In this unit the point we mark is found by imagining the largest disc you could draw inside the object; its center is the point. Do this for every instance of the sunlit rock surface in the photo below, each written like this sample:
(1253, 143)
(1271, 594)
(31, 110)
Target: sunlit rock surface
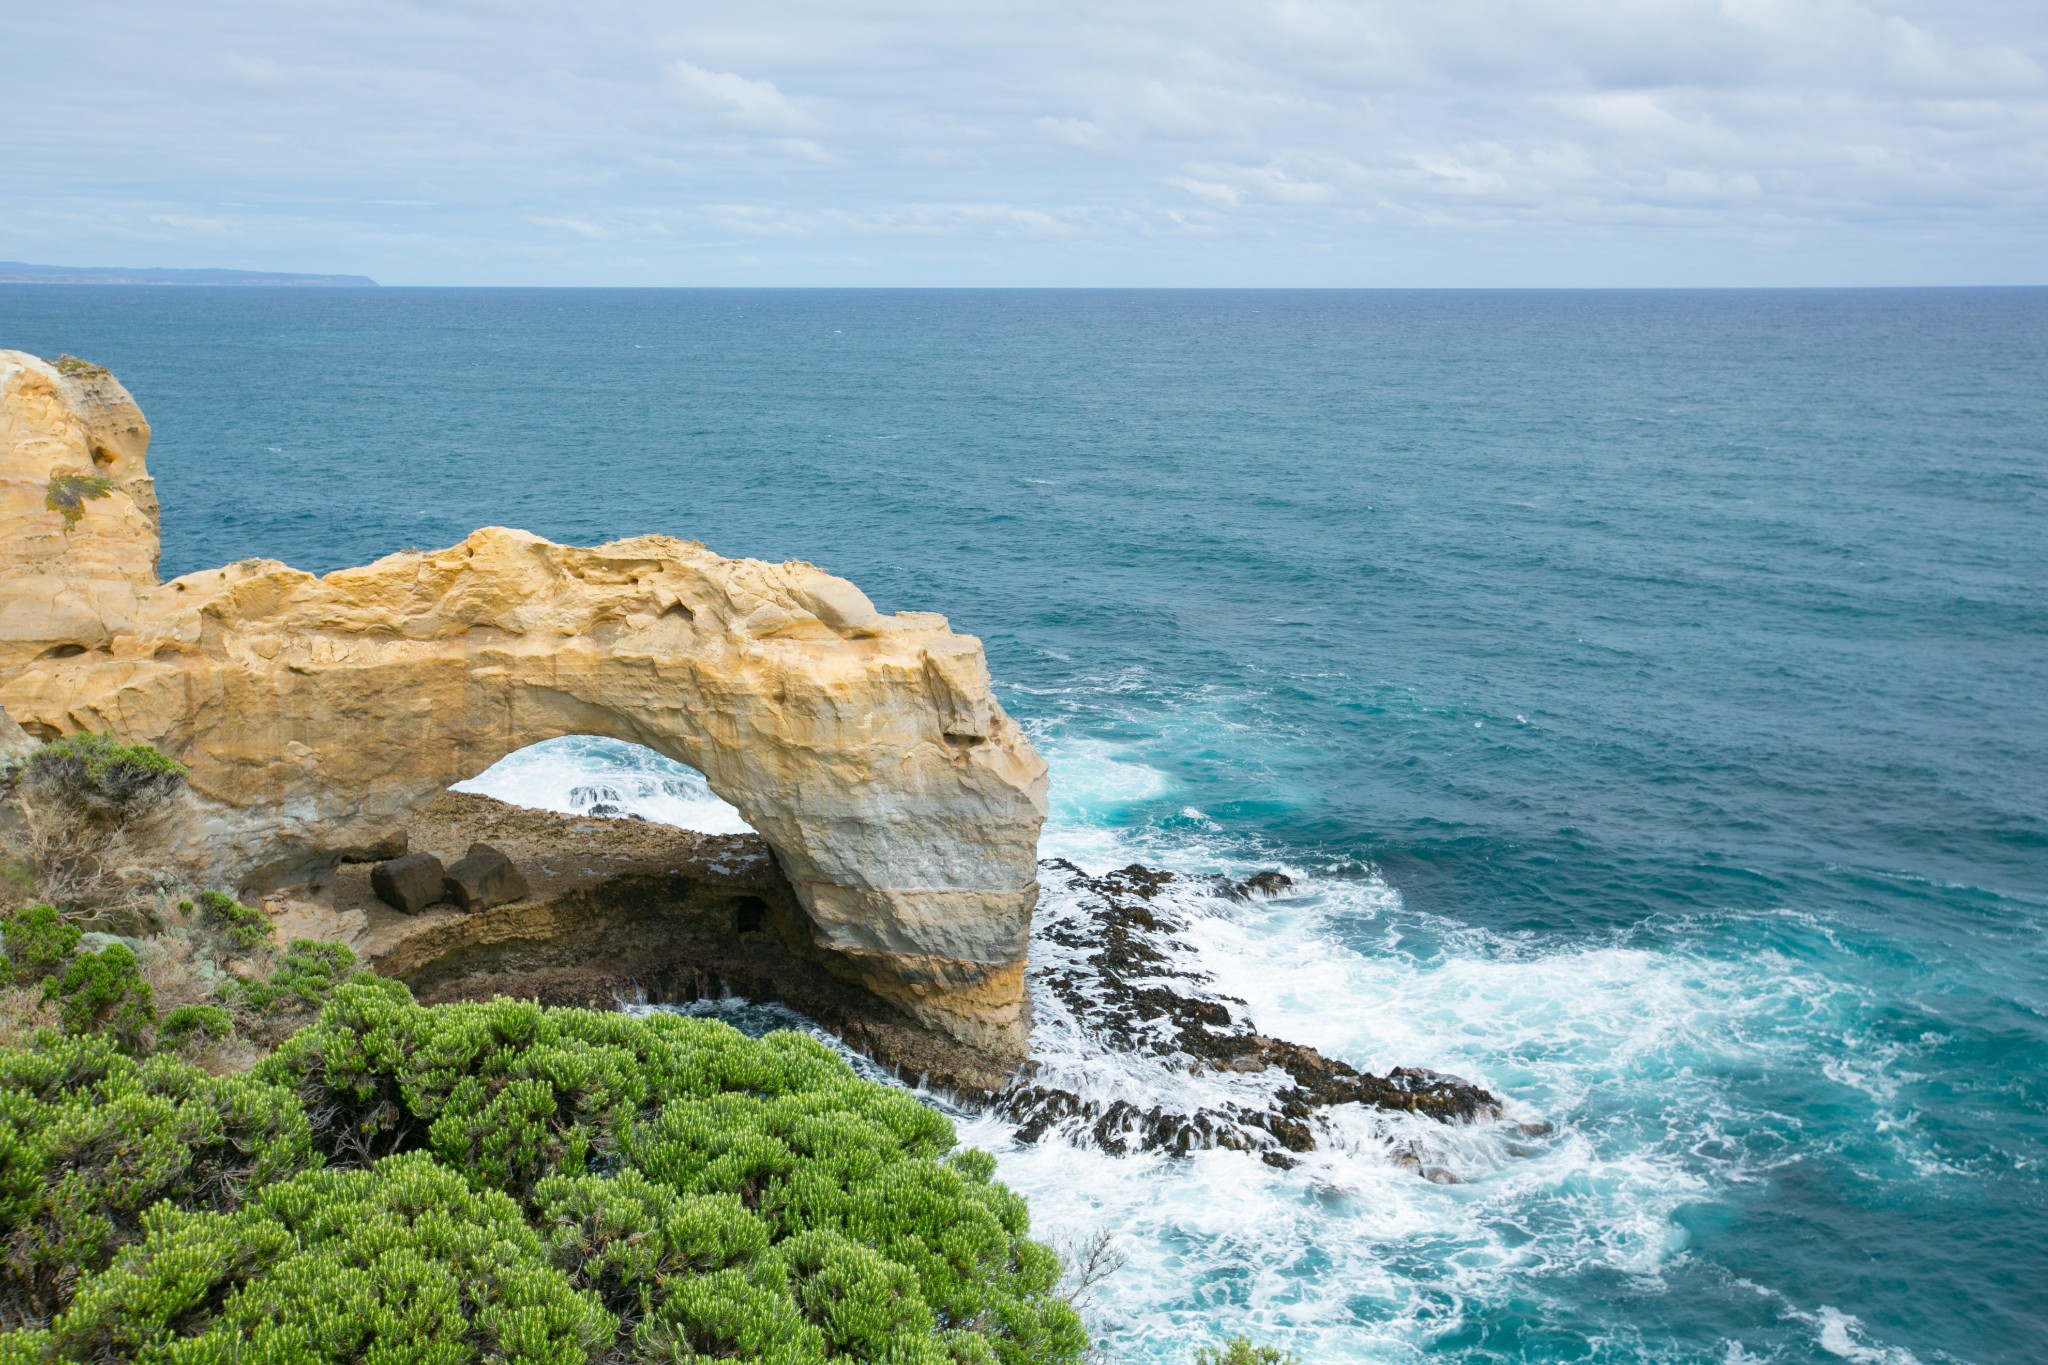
(316, 713)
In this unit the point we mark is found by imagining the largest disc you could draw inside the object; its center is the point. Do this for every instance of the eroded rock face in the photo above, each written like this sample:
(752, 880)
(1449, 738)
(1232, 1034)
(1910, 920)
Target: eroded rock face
(316, 713)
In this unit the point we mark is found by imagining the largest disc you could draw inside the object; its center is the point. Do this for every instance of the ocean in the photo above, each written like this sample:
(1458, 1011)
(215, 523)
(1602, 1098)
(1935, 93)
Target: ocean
(1647, 691)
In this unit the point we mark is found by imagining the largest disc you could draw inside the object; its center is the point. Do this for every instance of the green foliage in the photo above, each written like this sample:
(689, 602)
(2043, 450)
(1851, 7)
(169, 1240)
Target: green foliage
(621, 1237)
(91, 1139)
(404, 1263)
(99, 780)
(38, 944)
(716, 1127)
(73, 367)
(306, 978)
(104, 992)
(191, 1025)
(1239, 1350)
(242, 927)
(70, 490)
(530, 1185)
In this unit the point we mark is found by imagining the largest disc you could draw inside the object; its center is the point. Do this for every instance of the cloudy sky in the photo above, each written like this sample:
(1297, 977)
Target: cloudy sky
(1188, 142)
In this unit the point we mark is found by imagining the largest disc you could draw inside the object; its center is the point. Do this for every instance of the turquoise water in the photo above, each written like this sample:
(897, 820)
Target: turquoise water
(1649, 689)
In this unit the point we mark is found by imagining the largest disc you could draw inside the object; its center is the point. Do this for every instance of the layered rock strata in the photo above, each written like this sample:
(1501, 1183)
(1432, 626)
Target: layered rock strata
(317, 713)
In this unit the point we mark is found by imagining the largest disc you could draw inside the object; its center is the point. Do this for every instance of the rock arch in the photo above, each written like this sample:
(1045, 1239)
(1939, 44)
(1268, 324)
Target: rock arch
(901, 802)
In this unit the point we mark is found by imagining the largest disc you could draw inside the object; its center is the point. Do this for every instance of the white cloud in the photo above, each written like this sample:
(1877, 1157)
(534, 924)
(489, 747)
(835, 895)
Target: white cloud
(755, 106)
(1046, 141)
(1212, 191)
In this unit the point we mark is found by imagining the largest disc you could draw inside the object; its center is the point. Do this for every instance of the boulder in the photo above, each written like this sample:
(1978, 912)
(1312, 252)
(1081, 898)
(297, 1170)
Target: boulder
(410, 884)
(484, 877)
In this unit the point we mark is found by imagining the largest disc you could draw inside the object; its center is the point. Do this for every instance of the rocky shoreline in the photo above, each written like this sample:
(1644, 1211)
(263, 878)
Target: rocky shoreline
(304, 729)
(1122, 980)
(621, 910)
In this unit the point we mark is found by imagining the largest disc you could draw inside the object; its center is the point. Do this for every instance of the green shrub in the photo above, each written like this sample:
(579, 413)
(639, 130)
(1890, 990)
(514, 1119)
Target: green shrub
(38, 944)
(104, 992)
(622, 1237)
(91, 1139)
(404, 1263)
(99, 780)
(537, 1102)
(304, 980)
(243, 928)
(532, 1185)
(1239, 1350)
(194, 1024)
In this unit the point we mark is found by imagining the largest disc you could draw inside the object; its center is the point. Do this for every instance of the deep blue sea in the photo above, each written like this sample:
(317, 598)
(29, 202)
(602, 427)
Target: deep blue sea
(1649, 691)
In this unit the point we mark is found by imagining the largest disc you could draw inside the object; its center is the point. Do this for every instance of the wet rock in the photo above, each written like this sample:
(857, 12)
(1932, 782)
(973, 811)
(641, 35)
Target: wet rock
(410, 884)
(484, 877)
(1123, 985)
(1258, 884)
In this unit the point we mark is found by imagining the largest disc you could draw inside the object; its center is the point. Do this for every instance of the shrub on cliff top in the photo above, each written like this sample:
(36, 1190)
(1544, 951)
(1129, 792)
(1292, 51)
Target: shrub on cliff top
(103, 993)
(243, 929)
(532, 1185)
(91, 1139)
(404, 1263)
(99, 780)
(37, 942)
(1239, 1350)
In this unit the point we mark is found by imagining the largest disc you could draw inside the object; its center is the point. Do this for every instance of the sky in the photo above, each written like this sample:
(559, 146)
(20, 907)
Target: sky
(1206, 143)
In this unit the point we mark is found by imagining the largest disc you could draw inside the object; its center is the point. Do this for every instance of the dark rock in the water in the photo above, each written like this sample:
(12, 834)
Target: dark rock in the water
(411, 883)
(1123, 986)
(484, 877)
(1258, 884)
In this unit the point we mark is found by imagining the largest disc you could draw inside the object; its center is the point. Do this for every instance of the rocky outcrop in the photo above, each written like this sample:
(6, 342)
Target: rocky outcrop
(622, 910)
(317, 713)
(1193, 1071)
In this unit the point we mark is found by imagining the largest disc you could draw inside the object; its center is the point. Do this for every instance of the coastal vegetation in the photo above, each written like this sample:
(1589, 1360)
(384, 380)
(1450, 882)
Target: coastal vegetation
(69, 492)
(214, 1147)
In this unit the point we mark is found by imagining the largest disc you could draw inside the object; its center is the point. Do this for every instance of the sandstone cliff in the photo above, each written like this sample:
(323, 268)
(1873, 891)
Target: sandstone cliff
(316, 713)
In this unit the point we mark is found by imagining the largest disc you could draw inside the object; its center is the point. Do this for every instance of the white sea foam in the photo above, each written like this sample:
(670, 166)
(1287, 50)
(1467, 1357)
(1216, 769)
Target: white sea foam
(1351, 1256)
(585, 775)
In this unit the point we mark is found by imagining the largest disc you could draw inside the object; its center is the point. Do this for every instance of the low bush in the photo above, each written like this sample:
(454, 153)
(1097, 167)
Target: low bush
(91, 1139)
(1239, 1350)
(194, 1026)
(404, 1263)
(244, 930)
(99, 780)
(38, 944)
(505, 1182)
(303, 980)
(104, 993)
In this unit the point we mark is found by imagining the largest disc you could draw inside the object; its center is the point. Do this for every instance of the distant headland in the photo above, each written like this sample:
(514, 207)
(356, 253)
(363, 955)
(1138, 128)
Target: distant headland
(18, 272)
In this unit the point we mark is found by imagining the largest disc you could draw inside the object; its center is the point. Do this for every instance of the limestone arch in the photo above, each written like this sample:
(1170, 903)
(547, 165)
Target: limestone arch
(315, 713)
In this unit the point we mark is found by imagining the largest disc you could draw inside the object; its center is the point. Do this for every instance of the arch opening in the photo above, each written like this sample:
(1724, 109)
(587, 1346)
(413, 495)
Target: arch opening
(592, 775)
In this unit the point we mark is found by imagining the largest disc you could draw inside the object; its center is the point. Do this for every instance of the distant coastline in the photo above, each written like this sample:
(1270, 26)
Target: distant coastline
(19, 272)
